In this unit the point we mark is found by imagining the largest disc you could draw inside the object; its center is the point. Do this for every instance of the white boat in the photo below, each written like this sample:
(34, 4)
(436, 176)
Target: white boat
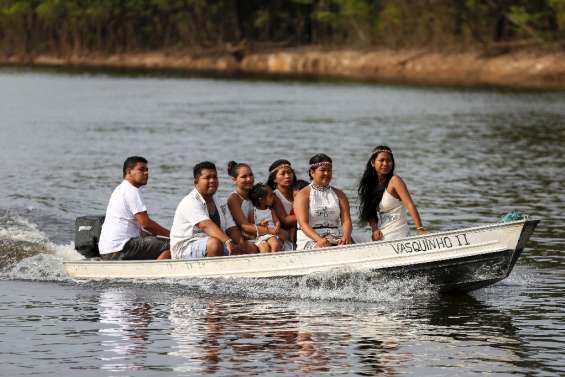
(462, 259)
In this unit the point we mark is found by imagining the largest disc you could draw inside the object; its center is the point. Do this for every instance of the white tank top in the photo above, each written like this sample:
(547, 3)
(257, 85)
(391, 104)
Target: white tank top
(246, 205)
(392, 218)
(263, 214)
(246, 208)
(287, 204)
(324, 216)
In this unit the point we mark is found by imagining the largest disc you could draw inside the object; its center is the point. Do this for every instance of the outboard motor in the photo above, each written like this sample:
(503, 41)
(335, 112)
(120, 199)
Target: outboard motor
(87, 234)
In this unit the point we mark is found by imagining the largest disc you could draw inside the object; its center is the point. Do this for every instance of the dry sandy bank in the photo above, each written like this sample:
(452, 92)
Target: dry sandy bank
(527, 70)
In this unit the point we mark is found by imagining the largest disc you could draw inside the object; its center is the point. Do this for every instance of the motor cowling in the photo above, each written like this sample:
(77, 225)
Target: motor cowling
(87, 235)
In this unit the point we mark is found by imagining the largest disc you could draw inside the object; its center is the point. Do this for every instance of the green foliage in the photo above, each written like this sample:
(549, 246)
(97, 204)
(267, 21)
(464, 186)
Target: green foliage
(83, 26)
(558, 7)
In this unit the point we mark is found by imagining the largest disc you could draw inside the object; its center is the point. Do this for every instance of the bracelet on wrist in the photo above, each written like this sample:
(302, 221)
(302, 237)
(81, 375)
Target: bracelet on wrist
(228, 241)
(420, 228)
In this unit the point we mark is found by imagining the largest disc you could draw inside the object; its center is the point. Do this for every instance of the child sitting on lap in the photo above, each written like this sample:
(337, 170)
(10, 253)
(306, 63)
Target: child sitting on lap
(264, 215)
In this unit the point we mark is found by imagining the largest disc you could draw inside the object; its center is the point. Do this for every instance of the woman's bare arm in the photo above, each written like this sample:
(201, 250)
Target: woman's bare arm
(277, 223)
(400, 189)
(288, 221)
(376, 233)
(234, 204)
(345, 215)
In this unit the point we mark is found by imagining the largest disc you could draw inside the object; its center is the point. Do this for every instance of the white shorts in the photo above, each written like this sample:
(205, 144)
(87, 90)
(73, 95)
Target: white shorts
(195, 249)
(264, 238)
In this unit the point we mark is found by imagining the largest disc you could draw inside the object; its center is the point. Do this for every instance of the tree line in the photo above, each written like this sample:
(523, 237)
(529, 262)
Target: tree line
(67, 27)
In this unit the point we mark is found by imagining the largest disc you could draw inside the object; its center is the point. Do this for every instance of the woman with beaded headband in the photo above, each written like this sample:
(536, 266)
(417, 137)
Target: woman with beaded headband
(382, 196)
(281, 180)
(322, 211)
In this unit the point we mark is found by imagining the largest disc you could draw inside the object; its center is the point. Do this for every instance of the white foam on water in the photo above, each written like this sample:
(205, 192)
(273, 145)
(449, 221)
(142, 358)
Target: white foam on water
(67, 252)
(333, 286)
(521, 276)
(520, 280)
(44, 267)
(47, 266)
(27, 252)
(18, 228)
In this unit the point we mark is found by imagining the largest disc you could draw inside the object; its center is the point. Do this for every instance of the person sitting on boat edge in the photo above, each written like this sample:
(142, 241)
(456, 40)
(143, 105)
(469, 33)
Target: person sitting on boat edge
(282, 179)
(382, 195)
(263, 213)
(322, 211)
(239, 204)
(126, 215)
(200, 223)
(296, 187)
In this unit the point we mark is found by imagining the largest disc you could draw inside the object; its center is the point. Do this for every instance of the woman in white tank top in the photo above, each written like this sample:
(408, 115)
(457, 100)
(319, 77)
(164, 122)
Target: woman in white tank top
(281, 180)
(238, 201)
(322, 211)
(383, 198)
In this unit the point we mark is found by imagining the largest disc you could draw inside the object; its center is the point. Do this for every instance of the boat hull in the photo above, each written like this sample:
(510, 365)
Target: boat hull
(463, 259)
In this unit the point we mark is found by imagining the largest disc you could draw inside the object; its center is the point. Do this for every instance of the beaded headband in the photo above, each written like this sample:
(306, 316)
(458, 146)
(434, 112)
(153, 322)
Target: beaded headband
(318, 164)
(279, 167)
(374, 153)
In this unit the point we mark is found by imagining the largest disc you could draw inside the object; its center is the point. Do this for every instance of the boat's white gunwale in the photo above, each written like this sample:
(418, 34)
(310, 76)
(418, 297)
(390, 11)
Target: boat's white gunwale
(326, 250)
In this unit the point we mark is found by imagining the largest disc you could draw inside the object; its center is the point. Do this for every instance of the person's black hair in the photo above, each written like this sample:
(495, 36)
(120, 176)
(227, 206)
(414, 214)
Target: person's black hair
(233, 168)
(197, 169)
(130, 163)
(258, 192)
(299, 184)
(317, 158)
(370, 189)
(273, 173)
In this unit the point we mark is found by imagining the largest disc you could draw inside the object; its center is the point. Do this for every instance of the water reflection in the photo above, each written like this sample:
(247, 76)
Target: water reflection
(302, 337)
(125, 327)
(210, 334)
(203, 334)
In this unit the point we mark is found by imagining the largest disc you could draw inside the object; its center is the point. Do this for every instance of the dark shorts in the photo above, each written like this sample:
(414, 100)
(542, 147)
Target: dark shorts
(140, 248)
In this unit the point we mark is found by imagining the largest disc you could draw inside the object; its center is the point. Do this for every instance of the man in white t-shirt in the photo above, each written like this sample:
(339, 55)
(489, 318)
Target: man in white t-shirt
(200, 223)
(126, 217)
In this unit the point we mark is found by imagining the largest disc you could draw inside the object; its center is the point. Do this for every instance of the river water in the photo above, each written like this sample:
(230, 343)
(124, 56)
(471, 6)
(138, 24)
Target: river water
(468, 157)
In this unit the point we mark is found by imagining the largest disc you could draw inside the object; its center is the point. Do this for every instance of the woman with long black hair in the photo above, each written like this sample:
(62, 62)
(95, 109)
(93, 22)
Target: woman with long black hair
(281, 180)
(383, 197)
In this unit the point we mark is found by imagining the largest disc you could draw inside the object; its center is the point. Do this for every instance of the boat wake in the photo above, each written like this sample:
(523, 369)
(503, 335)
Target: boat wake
(27, 253)
(334, 286)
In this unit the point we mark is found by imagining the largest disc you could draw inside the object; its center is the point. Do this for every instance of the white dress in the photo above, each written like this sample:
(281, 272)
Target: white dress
(324, 216)
(287, 205)
(260, 215)
(392, 218)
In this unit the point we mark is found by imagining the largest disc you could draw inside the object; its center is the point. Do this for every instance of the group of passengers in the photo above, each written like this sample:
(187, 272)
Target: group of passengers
(281, 215)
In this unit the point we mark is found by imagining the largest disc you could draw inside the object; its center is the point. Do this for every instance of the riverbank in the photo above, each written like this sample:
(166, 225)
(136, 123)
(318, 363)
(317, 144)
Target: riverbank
(521, 70)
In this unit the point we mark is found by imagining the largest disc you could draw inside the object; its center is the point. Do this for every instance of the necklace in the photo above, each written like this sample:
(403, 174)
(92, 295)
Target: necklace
(319, 188)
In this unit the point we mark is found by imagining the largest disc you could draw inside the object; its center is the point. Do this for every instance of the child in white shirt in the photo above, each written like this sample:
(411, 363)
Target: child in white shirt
(264, 215)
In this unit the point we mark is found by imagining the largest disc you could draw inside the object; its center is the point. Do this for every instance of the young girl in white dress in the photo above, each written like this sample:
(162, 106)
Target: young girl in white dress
(263, 215)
